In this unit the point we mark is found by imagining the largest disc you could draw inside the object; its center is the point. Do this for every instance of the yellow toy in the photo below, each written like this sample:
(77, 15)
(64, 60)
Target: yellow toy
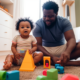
(46, 61)
(28, 63)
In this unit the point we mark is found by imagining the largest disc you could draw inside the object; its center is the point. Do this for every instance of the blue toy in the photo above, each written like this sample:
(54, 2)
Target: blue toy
(60, 68)
(12, 75)
(57, 65)
(22, 51)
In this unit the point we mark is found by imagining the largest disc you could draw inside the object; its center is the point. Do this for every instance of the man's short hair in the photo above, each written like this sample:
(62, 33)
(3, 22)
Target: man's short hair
(51, 5)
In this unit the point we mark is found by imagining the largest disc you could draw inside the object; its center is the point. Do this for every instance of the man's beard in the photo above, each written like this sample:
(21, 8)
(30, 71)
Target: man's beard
(51, 24)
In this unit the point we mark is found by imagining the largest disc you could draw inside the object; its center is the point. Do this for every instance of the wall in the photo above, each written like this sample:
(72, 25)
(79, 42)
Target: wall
(73, 17)
(77, 9)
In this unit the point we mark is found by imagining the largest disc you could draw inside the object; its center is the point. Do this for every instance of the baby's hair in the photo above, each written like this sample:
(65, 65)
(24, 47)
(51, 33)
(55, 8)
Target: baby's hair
(26, 19)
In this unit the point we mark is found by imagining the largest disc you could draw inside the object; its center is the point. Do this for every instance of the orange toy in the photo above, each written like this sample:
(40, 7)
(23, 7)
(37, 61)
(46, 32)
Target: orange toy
(46, 61)
(28, 63)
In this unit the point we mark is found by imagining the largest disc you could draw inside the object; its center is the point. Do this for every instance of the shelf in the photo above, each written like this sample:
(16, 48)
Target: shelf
(6, 12)
(68, 2)
(6, 1)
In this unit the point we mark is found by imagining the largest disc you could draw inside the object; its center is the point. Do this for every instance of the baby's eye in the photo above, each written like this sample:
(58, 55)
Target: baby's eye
(27, 27)
(22, 27)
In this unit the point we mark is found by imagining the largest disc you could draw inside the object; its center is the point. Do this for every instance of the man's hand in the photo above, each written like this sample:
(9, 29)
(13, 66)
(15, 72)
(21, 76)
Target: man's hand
(56, 60)
(65, 57)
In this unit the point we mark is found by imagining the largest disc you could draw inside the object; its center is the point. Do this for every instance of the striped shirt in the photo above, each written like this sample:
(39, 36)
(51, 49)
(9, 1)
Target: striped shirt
(24, 43)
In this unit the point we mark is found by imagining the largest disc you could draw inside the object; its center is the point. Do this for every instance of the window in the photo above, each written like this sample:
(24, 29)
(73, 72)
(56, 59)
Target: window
(33, 9)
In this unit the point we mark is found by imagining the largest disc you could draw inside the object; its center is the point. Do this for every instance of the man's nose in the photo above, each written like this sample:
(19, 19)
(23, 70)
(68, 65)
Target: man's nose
(47, 18)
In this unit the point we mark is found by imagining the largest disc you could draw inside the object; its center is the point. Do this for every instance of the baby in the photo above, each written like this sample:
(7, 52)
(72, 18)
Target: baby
(23, 41)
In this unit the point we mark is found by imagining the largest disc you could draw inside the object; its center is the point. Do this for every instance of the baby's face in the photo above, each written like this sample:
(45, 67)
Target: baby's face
(24, 28)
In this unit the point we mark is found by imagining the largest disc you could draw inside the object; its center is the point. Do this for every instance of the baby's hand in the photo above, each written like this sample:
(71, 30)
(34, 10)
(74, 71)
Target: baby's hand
(30, 51)
(17, 55)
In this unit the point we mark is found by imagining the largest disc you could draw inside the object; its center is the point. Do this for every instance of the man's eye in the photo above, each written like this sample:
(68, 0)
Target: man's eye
(44, 16)
(22, 27)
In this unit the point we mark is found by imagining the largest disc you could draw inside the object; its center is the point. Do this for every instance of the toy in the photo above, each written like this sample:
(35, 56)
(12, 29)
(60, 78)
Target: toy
(12, 75)
(60, 68)
(28, 63)
(52, 74)
(45, 72)
(41, 78)
(22, 51)
(57, 65)
(46, 61)
(69, 77)
(2, 75)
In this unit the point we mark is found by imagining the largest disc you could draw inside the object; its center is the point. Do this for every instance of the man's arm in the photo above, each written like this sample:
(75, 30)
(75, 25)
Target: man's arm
(71, 43)
(40, 48)
(45, 52)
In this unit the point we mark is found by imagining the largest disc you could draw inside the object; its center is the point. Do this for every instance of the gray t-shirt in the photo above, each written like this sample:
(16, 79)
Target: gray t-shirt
(55, 35)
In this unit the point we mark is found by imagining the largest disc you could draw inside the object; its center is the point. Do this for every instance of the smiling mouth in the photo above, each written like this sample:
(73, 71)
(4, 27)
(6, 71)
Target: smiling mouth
(48, 22)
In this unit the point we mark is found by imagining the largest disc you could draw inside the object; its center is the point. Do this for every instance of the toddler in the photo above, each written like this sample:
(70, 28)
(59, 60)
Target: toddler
(23, 41)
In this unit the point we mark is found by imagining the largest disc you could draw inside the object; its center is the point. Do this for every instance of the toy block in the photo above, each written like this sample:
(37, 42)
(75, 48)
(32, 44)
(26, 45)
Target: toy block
(13, 75)
(52, 74)
(28, 63)
(60, 69)
(47, 64)
(45, 72)
(57, 65)
(41, 78)
(2, 75)
(22, 51)
(46, 61)
(69, 77)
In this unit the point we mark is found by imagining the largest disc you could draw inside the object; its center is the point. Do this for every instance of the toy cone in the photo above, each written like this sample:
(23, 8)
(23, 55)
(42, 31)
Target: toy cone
(28, 63)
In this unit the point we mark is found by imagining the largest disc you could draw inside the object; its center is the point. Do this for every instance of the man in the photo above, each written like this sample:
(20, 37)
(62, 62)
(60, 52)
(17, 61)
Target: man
(51, 32)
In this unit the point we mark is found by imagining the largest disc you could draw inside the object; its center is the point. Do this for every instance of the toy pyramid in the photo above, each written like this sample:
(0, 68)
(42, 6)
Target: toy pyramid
(28, 63)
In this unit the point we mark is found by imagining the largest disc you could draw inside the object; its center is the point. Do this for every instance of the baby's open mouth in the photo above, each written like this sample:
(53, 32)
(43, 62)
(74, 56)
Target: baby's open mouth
(25, 31)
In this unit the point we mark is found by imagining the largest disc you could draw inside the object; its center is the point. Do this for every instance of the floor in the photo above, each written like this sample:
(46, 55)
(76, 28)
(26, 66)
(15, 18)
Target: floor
(2, 59)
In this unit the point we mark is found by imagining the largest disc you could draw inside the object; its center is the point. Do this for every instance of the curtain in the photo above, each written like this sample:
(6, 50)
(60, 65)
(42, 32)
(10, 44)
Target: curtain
(18, 12)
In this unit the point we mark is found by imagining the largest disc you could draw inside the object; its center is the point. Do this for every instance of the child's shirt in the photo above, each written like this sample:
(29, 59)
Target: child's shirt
(24, 43)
